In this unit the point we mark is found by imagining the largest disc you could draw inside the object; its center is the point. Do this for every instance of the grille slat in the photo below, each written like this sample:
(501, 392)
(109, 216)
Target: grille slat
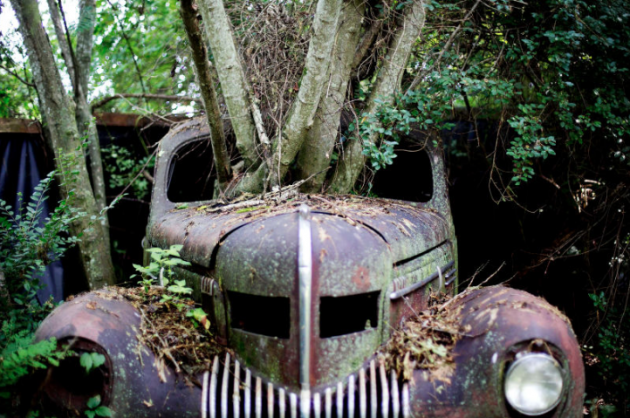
(385, 390)
(328, 403)
(224, 388)
(373, 396)
(362, 397)
(282, 405)
(213, 388)
(270, 401)
(258, 401)
(236, 396)
(317, 405)
(247, 405)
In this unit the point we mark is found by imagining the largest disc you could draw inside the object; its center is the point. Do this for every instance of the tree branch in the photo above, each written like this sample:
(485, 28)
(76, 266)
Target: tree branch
(206, 84)
(311, 86)
(128, 42)
(446, 47)
(166, 97)
(85, 41)
(314, 157)
(64, 45)
(387, 83)
(218, 33)
(17, 76)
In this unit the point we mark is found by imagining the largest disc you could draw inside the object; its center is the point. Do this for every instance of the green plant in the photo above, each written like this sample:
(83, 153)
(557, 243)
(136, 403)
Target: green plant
(161, 266)
(95, 409)
(20, 356)
(91, 361)
(613, 347)
(124, 169)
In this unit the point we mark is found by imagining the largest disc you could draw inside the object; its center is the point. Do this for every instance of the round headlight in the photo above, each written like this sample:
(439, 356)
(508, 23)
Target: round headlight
(533, 384)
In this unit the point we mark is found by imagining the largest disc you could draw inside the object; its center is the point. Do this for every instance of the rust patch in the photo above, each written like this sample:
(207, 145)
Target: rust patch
(361, 278)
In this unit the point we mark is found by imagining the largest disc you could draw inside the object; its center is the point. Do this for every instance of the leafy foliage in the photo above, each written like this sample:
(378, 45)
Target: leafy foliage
(95, 409)
(27, 245)
(123, 167)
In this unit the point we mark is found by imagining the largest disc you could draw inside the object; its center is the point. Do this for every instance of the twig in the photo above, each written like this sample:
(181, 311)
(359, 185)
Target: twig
(126, 38)
(174, 98)
(17, 76)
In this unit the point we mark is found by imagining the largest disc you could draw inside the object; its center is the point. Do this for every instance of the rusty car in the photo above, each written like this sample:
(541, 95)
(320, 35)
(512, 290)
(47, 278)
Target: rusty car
(304, 291)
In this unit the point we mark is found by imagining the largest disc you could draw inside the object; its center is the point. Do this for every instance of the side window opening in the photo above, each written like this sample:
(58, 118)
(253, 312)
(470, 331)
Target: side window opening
(265, 315)
(347, 314)
(409, 178)
(191, 174)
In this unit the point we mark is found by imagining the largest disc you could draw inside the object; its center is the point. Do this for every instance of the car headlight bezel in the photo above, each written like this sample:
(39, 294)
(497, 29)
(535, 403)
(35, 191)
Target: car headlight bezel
(541, 363)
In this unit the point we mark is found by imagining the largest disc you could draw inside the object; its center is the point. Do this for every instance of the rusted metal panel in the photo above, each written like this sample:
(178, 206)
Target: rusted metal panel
(502, 322)
(19, 126)
(103, 322)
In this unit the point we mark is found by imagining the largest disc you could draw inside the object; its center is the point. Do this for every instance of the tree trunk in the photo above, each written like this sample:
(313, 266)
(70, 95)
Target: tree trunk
(301, 116)
(387, 84)
(233, 84)
(58, 108)
(78, 69)
(317, 149)
(206, 85)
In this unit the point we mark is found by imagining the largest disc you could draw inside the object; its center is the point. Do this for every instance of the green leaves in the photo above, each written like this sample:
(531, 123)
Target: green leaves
(91, 361)
(95, 409)
(199, 316)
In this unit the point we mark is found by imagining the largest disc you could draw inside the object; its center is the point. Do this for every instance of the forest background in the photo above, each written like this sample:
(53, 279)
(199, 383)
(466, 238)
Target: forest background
(542, 176)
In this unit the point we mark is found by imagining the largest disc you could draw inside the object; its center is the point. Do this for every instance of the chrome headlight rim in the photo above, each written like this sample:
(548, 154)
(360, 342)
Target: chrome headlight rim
(522, 358)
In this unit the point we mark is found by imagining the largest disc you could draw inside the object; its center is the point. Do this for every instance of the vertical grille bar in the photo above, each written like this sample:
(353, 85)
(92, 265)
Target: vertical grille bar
(340, 400)
(317, 405)
(362, 397)
(248, 394)
(373, 398)
(350, 395)
(270, 401)
(213, 387)
(384, 390)
(406, 406)
(282, 403)
(362, 394)
(224, 387)
(236, 396)
(328, 403)
(258, 398)
(395, 395)
(204, 395)
(293, 402)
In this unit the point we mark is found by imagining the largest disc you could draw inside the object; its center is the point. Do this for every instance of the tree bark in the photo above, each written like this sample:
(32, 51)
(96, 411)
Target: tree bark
(206, 84)
(316, 151)
(78, 75)
(55, 16)
(58, 108)
(233, 83)
(387, 84)
(85, 41)
(301, 115)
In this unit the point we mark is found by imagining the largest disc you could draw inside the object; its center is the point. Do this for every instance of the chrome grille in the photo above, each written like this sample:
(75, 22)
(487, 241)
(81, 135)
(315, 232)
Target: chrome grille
(373, 392)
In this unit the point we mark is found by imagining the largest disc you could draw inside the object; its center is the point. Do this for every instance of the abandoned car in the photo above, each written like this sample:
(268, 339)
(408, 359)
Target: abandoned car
(305, 292)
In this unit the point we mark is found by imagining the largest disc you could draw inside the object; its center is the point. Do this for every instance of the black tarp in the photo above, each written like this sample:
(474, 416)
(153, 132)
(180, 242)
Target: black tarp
(22, 166)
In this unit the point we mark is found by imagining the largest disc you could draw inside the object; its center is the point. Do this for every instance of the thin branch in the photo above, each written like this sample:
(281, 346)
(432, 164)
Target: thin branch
(75, 80)
(106, 100)
(126, 38)
(188, 12)
(416, 81)
(17, 76)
